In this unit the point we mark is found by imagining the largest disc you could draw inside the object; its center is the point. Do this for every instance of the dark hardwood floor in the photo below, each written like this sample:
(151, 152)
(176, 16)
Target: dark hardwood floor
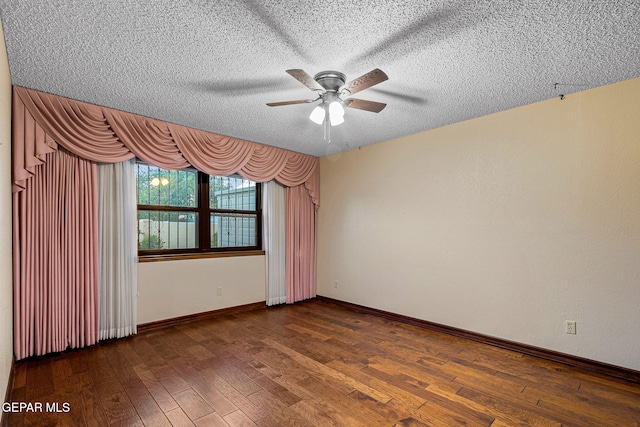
(313, 364)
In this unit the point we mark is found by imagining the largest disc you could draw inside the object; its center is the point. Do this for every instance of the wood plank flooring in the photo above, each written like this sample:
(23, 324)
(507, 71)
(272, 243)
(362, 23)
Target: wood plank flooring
(313, 364)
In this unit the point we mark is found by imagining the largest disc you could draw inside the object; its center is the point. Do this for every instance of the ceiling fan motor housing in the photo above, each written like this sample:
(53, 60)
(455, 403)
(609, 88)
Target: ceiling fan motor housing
(330, 80)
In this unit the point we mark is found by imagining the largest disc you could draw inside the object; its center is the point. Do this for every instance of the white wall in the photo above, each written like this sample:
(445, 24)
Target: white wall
(506, 225)
(6, 295)
(170, 289)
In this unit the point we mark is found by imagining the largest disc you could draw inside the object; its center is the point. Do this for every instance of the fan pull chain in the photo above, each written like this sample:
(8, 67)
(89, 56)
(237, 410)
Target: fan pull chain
(327, 127)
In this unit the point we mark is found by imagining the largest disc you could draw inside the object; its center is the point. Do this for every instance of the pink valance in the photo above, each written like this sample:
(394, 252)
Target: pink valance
(105, 135)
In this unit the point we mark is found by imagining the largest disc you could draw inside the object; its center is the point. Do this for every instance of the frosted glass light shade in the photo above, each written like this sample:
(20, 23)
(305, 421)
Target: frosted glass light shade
(336, 113)
(317, 115)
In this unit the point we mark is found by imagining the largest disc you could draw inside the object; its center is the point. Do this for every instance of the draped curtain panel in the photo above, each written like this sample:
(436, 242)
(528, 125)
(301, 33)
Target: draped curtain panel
(118, 250)
(301, 245)
(274, 210)
(42, 121)
(55, 257)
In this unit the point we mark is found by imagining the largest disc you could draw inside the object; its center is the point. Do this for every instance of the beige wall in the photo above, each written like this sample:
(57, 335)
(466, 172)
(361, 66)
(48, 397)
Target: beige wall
(506, 225)
(6, 298)
(177, 288)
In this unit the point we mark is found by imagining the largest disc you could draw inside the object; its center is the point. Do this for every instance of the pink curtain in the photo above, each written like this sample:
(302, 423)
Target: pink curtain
(98, 134)
(301, 245)
(55, 257)
(106, 135)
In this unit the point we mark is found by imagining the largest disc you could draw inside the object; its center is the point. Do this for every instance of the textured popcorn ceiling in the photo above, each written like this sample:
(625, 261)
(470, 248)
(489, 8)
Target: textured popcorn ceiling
(213, 65)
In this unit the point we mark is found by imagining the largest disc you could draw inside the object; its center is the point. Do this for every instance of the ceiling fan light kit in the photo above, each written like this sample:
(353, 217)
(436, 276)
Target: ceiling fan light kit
(331, 88)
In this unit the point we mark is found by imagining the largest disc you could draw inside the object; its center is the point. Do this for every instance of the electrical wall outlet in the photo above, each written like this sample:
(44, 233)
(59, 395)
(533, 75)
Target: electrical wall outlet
(219, 291)
(335, 284)
(570, 327)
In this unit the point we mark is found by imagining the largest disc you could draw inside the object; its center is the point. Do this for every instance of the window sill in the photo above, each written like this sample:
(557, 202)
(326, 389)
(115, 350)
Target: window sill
(177, 257)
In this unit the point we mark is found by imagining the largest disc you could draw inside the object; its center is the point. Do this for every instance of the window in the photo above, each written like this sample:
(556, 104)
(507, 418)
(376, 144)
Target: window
(187, 211)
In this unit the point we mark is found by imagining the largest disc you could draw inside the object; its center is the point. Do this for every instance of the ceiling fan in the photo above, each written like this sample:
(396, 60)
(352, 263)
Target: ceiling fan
(331, 89)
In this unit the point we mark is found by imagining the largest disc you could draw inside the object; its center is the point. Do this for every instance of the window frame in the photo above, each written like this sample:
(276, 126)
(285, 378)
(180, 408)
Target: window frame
(203, 224)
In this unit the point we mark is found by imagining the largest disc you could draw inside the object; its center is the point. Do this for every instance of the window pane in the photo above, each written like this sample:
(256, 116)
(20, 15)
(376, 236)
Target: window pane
(166, 188)
(233, 230)
(232, 192)
(167, 230)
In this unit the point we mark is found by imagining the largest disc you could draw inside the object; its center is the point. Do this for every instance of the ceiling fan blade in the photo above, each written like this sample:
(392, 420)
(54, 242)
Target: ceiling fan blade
(306, 79)
(361, 104)
(297, 101)
(363, 82)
